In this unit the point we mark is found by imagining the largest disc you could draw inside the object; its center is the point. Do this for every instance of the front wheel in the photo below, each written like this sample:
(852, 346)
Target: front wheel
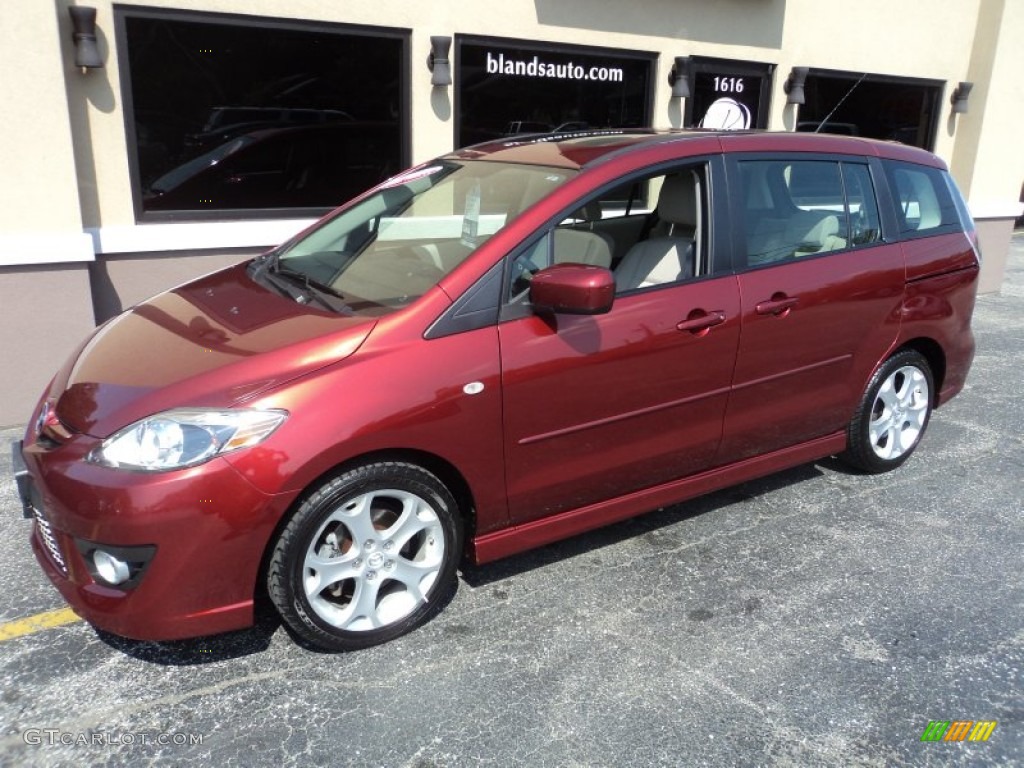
(366, 557)
(892, 415)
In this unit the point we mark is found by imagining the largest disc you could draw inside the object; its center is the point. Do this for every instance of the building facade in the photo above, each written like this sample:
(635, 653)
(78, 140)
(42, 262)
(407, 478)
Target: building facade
(201, 133)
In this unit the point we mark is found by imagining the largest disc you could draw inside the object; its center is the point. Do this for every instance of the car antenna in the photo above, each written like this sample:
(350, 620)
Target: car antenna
(837, 106)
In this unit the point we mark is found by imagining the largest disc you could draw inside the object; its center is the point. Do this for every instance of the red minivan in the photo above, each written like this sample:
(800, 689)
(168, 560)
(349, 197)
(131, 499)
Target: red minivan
(499, 348)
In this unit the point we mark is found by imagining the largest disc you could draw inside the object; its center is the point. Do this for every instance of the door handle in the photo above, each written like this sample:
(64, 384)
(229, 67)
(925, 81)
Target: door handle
(778, 305)
(702, 322)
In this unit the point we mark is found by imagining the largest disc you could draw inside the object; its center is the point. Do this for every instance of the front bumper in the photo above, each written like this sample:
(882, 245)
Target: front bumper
(209, 527)
(21, 478)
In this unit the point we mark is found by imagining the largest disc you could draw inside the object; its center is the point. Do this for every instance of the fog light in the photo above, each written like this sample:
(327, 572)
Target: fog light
(109, 568)
(115, 566)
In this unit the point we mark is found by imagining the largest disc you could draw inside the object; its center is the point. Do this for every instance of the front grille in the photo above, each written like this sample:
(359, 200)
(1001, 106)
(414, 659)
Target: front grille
(49, 540)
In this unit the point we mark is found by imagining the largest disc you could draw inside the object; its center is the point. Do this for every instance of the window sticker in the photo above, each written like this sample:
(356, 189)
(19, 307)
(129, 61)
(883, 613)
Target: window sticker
(728, 95)
(726, 114)
(471, 217)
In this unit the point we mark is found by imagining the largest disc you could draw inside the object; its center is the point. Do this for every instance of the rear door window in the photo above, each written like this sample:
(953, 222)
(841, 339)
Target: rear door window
(793, 208)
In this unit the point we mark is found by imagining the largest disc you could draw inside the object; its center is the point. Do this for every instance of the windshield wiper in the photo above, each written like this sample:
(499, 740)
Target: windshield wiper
(326, 295)
(257, 272)
(269, 268)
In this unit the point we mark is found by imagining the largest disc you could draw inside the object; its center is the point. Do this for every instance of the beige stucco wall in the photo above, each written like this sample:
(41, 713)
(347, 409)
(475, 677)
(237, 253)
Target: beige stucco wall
(36, 162)
(40, 218)
(602, 24)
(989, 157)
(937, 45)
(929, 40)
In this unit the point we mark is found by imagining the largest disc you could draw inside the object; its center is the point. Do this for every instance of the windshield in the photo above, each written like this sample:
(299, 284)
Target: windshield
(392, 247)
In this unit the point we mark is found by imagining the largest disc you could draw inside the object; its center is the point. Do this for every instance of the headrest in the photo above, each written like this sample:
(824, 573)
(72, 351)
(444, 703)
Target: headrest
(677, 203)
(581, 247)
(824, 229)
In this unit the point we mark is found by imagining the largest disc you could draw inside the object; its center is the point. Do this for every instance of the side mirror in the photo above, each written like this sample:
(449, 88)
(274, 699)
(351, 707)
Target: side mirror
(573, 289)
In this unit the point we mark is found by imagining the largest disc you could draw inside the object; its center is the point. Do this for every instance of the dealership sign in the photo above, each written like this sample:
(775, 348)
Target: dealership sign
(510, 87)
(500, 64)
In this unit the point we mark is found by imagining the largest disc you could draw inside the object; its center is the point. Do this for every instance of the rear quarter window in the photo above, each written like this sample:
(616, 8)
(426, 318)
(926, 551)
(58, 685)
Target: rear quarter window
(924, 205)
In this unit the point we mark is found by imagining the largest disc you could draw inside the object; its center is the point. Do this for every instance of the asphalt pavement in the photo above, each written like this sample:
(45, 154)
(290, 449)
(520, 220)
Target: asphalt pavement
(815, 617)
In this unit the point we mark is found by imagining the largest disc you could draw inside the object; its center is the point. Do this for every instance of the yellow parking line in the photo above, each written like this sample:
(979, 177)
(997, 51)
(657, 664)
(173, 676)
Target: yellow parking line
(40, 621)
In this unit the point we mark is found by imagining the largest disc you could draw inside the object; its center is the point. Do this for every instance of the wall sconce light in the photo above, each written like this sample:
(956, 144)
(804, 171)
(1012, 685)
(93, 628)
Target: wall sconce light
(959, 97)
(83, 23)
(438, 62)
(678, 80)
(794, 85)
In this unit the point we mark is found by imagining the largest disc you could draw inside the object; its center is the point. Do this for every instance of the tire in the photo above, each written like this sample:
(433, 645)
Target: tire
(892, 415)
(367, 557)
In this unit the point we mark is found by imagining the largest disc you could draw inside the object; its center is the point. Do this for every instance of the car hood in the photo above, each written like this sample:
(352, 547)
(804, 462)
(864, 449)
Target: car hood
(215, 342)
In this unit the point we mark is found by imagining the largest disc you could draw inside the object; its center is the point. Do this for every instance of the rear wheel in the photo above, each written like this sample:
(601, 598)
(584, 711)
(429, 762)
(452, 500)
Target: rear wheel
(892, 415)
(366, 557)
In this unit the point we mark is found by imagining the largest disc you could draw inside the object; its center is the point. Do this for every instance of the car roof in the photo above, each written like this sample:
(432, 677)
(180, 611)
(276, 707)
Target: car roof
(581, 149)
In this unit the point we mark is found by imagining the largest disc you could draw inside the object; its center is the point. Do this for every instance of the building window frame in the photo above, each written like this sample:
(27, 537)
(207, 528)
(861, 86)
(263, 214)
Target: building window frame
(541, 47)
(732, 69)
(934, 97)
(122, 13)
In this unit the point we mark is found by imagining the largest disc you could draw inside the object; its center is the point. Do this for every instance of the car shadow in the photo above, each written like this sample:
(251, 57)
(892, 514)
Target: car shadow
(200, 650)
(489, 573)
(256, 639)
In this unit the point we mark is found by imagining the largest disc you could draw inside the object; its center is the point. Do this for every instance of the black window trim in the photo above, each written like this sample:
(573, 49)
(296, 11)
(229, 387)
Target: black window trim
(124, 12)
(886, 205)
(476, 308)
(879, 203)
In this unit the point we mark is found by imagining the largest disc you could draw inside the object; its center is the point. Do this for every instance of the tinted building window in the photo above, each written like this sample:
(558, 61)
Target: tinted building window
(235, 114)
(508, 87)
(728, 95)
(871, 105)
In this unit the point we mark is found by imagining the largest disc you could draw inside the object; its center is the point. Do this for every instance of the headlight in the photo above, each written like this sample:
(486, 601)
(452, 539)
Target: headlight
(184, 437)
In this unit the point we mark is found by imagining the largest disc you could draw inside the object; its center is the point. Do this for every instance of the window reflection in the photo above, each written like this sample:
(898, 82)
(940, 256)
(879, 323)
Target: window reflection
(233, 114)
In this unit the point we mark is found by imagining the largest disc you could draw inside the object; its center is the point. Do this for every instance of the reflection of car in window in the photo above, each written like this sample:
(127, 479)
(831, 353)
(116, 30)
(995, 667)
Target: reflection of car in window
(526, 126)
(816, 126)
(227, 122)
(571, 126)
(302, 166)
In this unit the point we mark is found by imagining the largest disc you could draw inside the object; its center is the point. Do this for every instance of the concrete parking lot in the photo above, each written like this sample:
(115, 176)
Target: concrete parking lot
(815, 617)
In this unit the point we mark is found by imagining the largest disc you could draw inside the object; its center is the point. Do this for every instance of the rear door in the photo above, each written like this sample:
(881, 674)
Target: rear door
(820, 297)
